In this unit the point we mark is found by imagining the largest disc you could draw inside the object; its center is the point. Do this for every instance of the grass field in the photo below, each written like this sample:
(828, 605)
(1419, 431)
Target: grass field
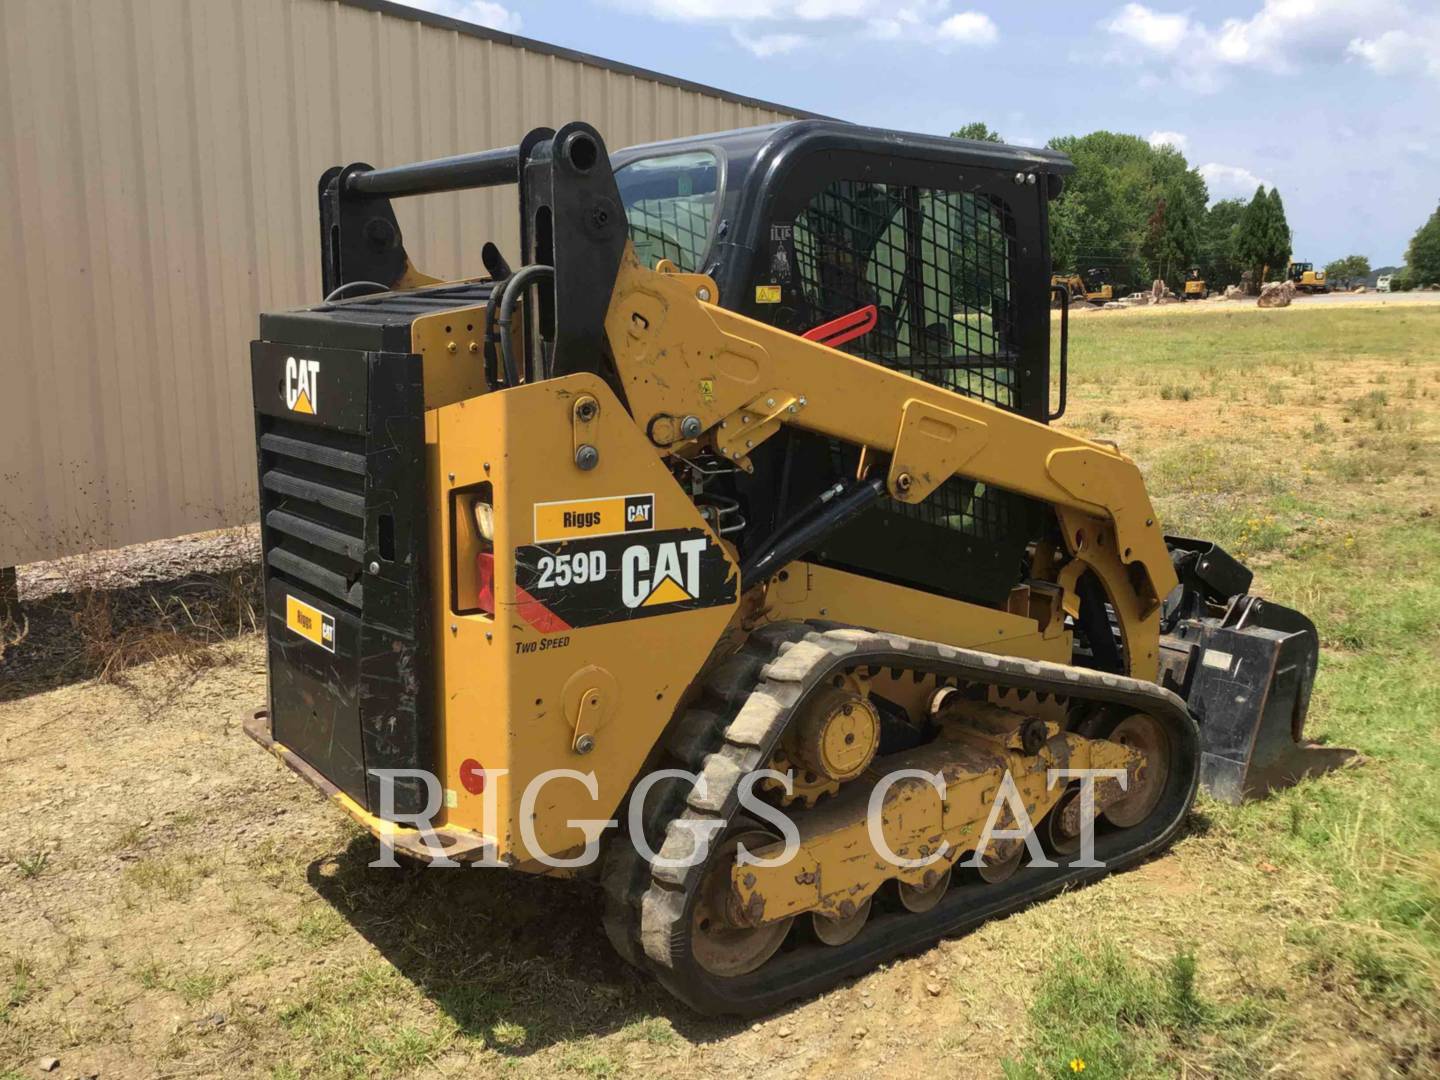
(173, 903)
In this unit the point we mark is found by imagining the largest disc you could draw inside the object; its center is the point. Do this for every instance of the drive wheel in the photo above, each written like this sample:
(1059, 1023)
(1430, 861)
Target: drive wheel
(1142, 733)
(720, 942)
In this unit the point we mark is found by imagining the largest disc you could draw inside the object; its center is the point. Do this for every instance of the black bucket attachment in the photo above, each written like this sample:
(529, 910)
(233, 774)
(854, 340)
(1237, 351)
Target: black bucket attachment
(1245, 666)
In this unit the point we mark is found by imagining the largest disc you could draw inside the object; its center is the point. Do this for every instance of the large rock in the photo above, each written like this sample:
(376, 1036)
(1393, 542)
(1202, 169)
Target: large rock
(1233, 292)
(1359, 289)
(1275, 294)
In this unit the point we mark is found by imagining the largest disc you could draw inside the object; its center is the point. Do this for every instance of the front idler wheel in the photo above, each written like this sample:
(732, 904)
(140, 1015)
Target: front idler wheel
(1145, 734)
(720, 940)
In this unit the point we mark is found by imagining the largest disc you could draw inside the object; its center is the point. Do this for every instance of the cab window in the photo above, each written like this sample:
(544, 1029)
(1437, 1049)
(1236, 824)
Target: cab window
(670, 202)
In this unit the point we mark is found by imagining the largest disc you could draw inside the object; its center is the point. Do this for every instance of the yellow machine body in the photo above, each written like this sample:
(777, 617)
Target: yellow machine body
(499, 521)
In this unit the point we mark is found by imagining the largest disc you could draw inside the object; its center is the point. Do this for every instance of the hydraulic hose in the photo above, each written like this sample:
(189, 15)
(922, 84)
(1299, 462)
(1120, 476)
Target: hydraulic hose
(340, 291)
(792, 545)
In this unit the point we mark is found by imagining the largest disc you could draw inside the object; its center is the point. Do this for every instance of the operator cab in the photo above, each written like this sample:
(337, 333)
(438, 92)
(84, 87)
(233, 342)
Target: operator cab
(938, 246)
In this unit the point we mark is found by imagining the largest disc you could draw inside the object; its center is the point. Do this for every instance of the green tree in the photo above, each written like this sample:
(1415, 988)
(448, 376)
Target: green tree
(1172, 235)
(1251, 244)
(1103, 216)
(1262, 242)
(1219, 265)
(977, 130)
(1348, 269)
(1280, 239)
(1422, 257)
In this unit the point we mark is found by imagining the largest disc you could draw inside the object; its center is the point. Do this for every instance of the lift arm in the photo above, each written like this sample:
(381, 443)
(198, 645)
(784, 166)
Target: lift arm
(697, 374)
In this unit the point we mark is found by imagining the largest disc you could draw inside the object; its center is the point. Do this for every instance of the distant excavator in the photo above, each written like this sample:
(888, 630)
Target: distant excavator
(1306, 278)
(1094, 285)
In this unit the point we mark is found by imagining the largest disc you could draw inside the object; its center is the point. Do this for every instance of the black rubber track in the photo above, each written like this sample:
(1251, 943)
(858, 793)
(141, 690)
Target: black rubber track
(735, 726)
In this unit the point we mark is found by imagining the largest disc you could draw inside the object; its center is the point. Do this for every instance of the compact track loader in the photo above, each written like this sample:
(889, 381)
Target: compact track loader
(731, 524)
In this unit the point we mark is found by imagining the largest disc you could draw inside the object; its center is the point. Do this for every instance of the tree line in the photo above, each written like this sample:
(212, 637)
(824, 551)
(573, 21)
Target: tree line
(1141, 212)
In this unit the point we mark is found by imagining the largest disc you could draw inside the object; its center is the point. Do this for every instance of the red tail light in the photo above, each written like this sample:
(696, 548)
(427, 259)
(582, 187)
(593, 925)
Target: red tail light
(472, 776)
(485, 575)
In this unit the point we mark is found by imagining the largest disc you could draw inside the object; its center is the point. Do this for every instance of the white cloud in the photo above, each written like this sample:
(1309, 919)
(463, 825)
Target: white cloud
(1180, 142)
(1402, 52)
(1282, 36)
(1230, 181)
(1150, 29)
(792, 24)
(969, 28)
(763, 45)
(480, 12)
(1285, 32)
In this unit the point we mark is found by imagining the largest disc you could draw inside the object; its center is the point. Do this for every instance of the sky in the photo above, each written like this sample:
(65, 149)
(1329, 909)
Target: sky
(1336, 102)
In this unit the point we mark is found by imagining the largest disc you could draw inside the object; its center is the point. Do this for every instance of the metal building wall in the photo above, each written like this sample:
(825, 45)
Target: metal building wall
(158, 161)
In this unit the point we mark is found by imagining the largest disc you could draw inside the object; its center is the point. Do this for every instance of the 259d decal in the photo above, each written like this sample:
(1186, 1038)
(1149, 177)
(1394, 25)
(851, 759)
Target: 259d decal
(614, 578)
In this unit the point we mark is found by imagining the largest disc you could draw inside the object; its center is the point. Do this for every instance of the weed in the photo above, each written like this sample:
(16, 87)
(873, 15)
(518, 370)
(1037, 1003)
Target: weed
(321, 926)
(152, 975)
(173, 877)
(1184, 1001)
(587, 1061)
(1121, 1020)
(20, 987)
(653, 1030)
(130, 837)
(31, 865)
(198, 985)
(508, 1034)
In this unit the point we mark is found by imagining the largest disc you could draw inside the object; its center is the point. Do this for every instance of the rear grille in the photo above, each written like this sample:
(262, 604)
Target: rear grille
(312, 501)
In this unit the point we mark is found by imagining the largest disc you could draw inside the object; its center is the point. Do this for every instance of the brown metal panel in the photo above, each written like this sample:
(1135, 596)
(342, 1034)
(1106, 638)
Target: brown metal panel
(161, 159)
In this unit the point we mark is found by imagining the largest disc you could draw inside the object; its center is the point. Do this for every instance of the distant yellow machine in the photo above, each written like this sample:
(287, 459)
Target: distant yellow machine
(1195, 285)
(1307, 278)
(1094, 285)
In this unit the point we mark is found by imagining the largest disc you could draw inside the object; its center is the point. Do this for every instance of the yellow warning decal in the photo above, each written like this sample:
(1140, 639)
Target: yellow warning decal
(767, 294)
(609, 516)
(310, 622)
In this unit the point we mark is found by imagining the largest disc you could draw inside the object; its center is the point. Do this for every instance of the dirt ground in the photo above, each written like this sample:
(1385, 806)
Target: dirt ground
(193, 898)
(174, 903)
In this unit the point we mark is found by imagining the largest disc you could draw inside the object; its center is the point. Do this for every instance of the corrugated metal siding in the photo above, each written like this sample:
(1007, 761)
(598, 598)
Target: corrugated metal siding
(158, 161)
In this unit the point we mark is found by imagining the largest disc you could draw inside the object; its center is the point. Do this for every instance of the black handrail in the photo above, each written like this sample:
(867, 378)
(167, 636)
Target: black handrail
(1064, 293)
(488, 168)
